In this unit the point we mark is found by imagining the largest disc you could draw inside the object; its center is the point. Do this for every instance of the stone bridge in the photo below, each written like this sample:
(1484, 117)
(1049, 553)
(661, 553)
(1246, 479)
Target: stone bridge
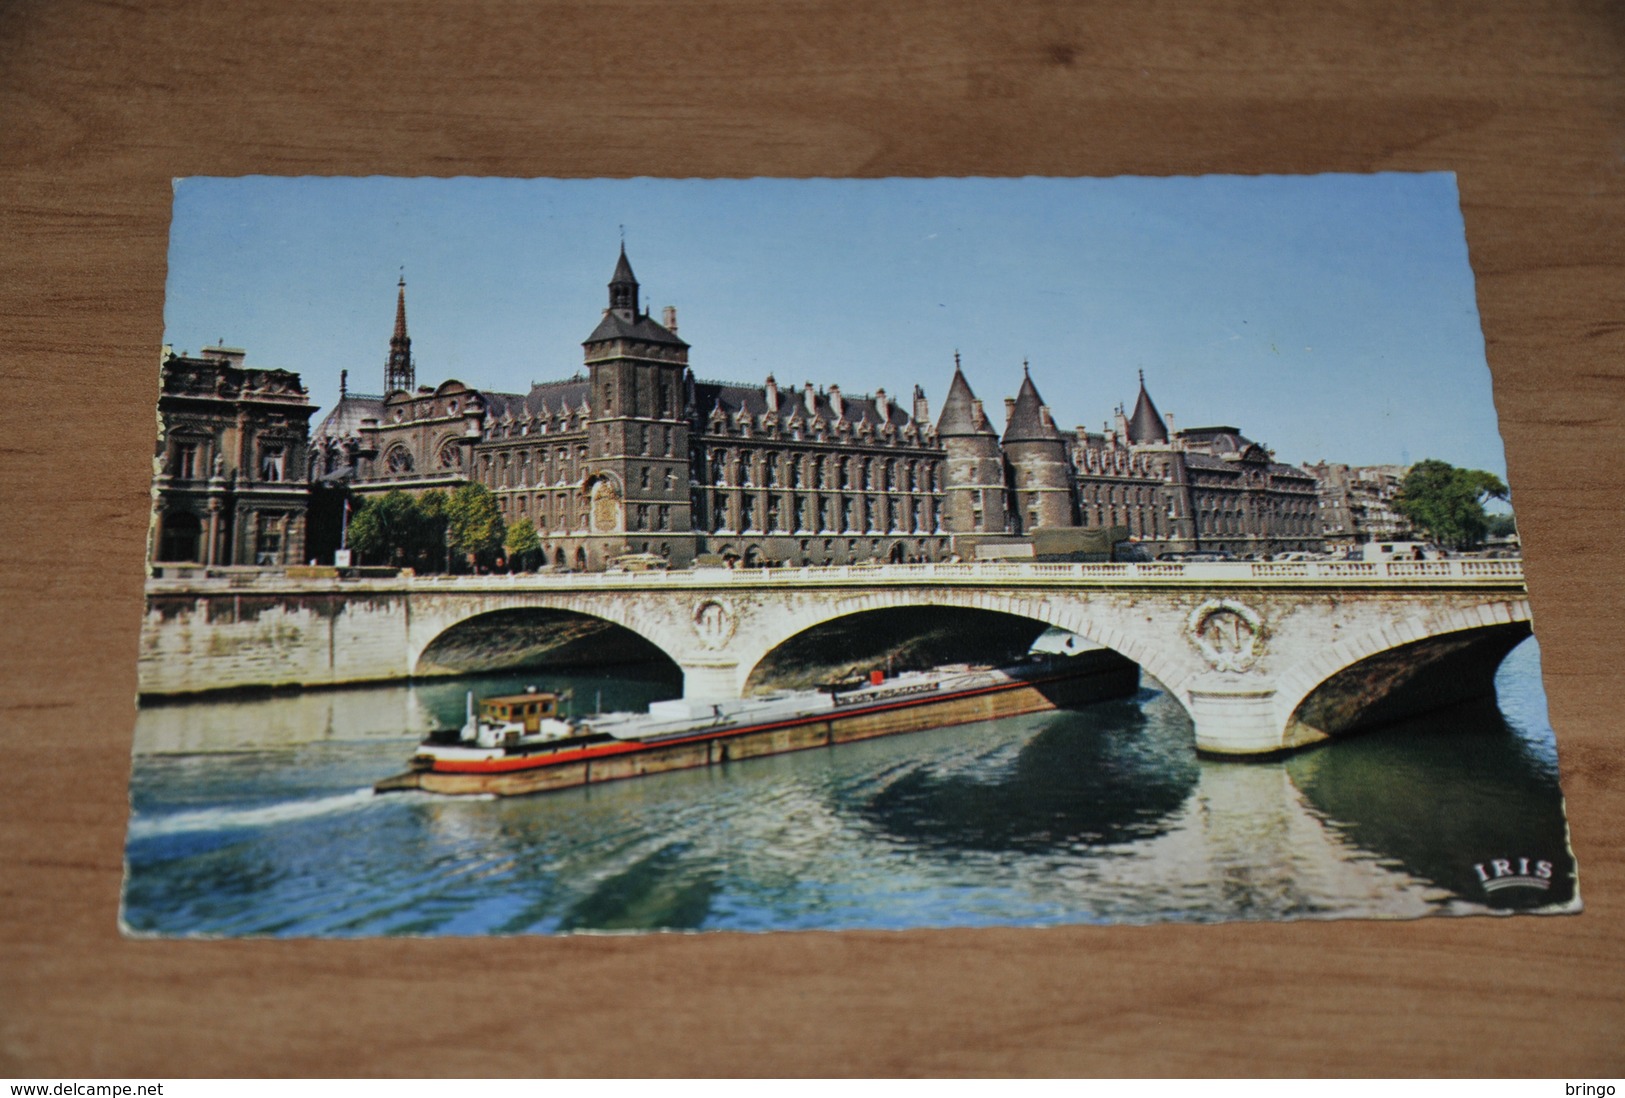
(1264, 656)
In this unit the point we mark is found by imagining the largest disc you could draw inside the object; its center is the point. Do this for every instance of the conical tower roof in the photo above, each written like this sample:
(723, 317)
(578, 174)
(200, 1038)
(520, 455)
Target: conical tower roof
(623, 288)
(623, 270)
(959, 417)
(1027, 421)
(1146, 424)
(623, 320)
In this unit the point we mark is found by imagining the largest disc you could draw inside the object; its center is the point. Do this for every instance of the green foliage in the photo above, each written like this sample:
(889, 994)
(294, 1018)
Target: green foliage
(399, 529)
(474, 524)
(384, 529)
(429, 549)
(1501, 526)
(1448, 503)
(435, 530)
(522, 543)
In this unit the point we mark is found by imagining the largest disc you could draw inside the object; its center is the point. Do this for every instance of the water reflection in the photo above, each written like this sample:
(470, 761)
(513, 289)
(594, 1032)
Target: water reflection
(256, 817)
(1442, 795)
(1087, 778)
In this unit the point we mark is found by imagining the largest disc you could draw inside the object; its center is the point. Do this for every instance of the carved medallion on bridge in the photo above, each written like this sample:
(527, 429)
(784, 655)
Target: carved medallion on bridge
(1229, 635)
(713, 623)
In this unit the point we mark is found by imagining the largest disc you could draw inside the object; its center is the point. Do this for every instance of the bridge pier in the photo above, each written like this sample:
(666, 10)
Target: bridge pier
(1236, 715)
(710, 679)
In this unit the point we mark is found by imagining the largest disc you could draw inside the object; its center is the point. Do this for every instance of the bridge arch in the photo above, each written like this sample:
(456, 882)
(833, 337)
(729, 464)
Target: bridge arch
(1499, 626)
(1169, 664)
(508, 633)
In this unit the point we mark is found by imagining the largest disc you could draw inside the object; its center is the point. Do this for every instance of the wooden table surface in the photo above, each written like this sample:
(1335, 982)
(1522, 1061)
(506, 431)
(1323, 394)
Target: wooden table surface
(101, 104)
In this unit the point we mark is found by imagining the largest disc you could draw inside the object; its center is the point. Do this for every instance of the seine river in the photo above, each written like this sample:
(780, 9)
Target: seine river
(257, 818)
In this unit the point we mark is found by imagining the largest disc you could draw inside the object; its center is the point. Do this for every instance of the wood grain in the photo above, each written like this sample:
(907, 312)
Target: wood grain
(101, 104)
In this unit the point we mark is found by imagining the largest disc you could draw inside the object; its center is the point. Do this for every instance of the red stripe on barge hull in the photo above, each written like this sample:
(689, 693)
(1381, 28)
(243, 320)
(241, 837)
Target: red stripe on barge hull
(1112, 677)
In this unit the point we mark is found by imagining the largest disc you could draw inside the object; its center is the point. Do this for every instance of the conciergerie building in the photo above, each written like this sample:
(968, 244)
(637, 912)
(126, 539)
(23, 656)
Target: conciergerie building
(633, 453)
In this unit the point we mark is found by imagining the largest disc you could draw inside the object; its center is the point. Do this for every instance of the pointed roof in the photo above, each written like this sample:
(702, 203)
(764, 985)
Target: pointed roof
(622, 320)
(623, 287)
(623, 270)
(645, 328)
(1146, 424)
(959, 417)
(399, 373)
(1027, 421)
(400, 313)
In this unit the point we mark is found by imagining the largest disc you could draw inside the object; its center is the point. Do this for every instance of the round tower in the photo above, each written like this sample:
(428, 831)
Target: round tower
(973, 490)
(1040, 481)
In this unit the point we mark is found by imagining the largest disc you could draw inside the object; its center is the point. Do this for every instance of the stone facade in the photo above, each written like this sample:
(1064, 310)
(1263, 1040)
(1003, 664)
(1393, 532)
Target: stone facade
(634, 455)
(1203, 489)
(1242, 650)
(1357, 503)
(229, 485)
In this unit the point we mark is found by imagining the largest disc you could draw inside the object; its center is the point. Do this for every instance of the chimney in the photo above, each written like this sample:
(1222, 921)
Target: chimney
(668, 319)
(977, 415)
(1009, 409)
(835, 400)
(882, 406)
(810, 399)
(772, 392)
(1168, 418)
(344, 383)
(1044, 416)
(922, 410)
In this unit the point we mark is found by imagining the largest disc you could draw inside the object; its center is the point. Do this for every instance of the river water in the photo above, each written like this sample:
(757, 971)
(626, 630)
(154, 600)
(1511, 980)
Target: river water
(256, 817)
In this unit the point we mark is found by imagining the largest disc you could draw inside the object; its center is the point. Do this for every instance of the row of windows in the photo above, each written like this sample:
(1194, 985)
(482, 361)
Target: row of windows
(187, 461)
(563, 465)
(666, 398)
(843, 514)
(561, 424)
(748, 469)
(817, 431)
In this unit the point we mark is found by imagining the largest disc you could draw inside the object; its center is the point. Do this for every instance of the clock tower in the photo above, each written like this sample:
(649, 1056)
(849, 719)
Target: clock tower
(637, 431)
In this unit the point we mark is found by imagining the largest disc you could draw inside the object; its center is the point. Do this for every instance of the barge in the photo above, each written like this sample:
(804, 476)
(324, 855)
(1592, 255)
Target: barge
(524, 743)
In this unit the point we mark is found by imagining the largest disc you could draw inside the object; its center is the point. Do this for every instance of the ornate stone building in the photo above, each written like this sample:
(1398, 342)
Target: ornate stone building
(633, 454)
(1204, 489)
(229, 484)
(1357, 503)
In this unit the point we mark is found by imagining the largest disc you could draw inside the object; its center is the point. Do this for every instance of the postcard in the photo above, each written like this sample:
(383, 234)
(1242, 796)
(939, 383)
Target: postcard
(552, 556)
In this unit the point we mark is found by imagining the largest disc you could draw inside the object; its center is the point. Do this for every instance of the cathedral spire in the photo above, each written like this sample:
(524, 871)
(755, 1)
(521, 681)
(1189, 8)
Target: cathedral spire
(398, 368)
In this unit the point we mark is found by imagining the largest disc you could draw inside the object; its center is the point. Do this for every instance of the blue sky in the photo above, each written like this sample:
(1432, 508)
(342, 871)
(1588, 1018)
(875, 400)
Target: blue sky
(1328, 316)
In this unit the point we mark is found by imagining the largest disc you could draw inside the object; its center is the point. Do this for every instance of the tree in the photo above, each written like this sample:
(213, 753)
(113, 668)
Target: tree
(433, 548)
(473, 523)
(522, 543)
(385, 529)
(1448, 503)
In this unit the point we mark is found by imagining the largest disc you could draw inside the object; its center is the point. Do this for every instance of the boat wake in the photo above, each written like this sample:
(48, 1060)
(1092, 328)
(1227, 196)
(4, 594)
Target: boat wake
(237, 819)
